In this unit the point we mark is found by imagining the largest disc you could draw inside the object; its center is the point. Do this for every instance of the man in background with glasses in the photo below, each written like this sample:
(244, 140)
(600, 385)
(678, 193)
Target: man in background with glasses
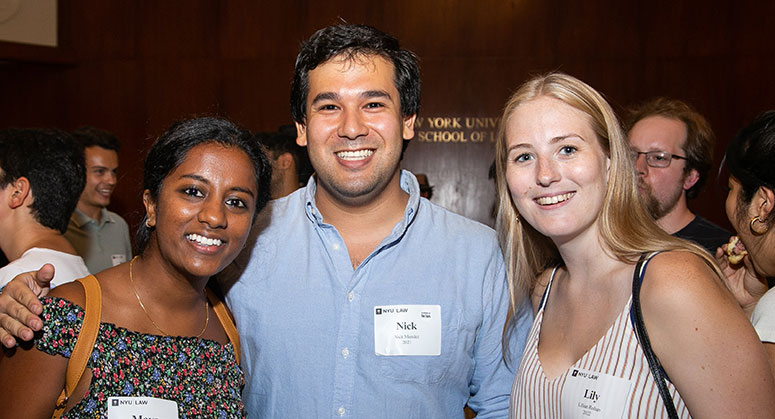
(672, 147)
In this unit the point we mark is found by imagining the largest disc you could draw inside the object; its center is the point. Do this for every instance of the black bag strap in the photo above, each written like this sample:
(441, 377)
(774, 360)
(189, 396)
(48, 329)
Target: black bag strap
(640, 331)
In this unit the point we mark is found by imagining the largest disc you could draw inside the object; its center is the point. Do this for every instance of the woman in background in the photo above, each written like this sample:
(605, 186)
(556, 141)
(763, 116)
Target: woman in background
(573, 230)
(750, 208)
(204, 182)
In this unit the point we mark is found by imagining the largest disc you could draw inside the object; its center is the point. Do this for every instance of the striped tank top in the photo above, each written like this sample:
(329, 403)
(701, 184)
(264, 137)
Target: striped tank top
(617, 357)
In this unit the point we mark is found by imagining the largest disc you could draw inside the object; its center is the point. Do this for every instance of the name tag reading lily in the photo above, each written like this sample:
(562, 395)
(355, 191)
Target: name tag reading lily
(589, 394)
(407, 330)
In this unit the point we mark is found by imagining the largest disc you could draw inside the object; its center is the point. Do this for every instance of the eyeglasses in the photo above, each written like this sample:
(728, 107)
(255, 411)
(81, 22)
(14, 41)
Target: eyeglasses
(656, 158)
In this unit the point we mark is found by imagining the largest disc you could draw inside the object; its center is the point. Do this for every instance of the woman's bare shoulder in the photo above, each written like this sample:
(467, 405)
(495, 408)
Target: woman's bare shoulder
(696, 328)
(676, 275)
(71, 291)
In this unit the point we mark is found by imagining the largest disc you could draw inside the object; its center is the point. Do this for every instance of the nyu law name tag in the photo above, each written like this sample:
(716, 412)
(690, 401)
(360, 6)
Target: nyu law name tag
(141, 407)
(408, 329)
(117, 259)
(590, 394)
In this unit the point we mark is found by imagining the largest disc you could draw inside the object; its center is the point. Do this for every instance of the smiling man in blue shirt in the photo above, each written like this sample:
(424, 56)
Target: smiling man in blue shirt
(359, 298)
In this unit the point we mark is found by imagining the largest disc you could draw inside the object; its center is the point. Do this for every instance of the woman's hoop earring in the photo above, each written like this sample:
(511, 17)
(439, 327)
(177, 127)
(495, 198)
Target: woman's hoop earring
(148, 224)
(754, 230)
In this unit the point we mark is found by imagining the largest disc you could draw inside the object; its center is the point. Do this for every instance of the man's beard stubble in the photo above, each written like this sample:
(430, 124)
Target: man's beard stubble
(653, 206)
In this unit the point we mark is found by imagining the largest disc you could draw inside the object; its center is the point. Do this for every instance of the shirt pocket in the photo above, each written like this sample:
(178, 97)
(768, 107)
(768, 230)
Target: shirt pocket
(423, 369)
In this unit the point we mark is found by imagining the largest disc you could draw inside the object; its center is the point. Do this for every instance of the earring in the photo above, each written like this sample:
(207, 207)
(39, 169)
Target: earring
(754, 230)
(516, 218)
(148, 224)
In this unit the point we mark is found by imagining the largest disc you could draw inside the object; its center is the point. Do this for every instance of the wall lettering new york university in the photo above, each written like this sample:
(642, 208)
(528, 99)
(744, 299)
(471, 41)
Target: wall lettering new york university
(456, 129)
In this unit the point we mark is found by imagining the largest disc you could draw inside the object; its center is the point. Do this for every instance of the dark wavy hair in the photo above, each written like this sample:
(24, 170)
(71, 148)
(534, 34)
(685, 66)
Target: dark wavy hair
(54, 165)
(749, 158)
(350, 41)
(89, 136)
(284, 141)
(172, 147)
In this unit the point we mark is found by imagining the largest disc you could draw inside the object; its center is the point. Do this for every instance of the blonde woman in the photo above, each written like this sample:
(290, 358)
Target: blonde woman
(573, 232)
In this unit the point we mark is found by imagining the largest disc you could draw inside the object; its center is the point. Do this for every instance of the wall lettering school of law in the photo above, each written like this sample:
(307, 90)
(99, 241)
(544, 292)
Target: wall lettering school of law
(456, 129)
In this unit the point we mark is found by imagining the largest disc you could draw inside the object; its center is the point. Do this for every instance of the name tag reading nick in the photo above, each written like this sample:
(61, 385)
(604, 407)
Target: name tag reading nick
(401, 330)
(141, 407)
(589, 394)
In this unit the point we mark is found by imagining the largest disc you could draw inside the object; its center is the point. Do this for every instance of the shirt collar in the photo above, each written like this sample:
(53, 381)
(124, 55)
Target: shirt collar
(82, 219)
(408, 184)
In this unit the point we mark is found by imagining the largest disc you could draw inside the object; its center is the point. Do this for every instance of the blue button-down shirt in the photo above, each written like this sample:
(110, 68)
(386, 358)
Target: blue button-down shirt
(306, 318)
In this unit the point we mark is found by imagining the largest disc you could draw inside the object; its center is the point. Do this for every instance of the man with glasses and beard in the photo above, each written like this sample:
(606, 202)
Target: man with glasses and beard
(672, 146)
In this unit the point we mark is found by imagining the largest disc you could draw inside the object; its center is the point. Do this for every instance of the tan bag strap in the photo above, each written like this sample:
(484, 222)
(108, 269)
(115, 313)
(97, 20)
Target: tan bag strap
(84, 344)
(226, 322)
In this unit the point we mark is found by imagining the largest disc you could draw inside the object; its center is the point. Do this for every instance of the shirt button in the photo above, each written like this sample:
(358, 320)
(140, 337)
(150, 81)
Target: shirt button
(335, 246)
(345, 352)
(350, 296)
(340, 411)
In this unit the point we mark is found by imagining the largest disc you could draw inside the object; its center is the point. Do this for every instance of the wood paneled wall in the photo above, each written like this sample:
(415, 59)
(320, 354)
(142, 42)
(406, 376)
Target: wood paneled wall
(133, 67)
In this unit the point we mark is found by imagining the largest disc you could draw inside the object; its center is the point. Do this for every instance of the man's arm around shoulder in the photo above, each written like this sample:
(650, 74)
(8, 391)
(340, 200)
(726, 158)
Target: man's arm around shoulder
(20, 307)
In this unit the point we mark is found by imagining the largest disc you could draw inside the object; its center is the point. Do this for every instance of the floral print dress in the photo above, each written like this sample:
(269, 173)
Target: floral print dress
(201, 375)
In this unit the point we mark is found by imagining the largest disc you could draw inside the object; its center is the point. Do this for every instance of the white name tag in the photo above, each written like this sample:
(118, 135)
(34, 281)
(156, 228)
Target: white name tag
(589, 394)
(407, 330)
(117, 259)
(141, 407)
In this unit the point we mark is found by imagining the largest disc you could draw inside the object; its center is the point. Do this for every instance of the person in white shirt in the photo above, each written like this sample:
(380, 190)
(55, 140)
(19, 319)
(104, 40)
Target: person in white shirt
(41, 177)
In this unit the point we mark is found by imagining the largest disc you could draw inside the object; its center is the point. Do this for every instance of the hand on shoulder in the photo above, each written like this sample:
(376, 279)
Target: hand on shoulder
(19, 305)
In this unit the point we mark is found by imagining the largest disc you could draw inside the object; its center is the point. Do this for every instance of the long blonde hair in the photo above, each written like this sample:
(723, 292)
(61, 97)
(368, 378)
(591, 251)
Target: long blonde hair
(626, 228)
